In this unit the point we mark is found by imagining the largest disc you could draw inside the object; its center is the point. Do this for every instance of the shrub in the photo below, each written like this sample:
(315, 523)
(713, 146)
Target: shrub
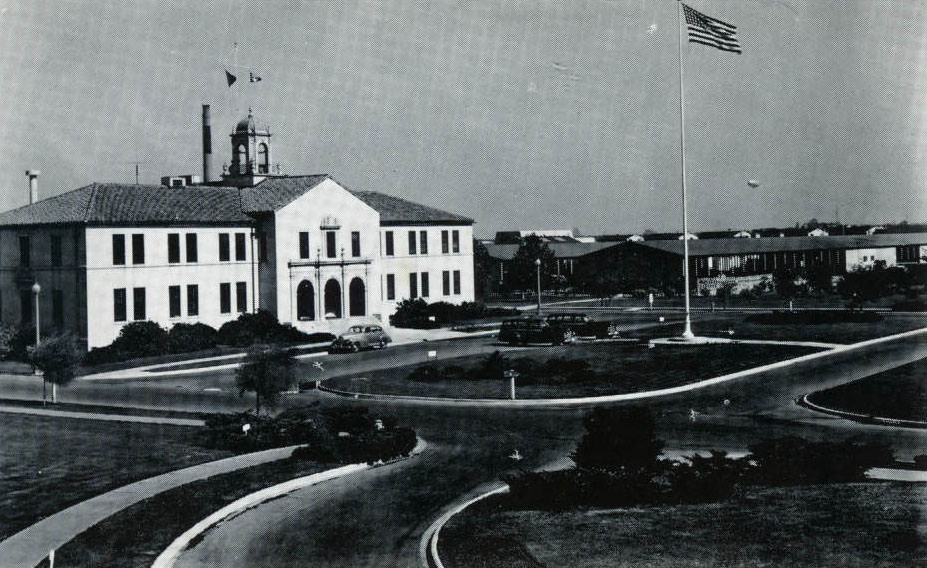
(263, 327)
(618, 439)
(141, 339)
(185, 337)
(420, 314)
(20, 343)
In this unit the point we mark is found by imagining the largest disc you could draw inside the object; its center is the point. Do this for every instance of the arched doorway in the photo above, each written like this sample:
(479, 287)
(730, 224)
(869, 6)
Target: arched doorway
(332, 299)
(357, 295)
(305, 301)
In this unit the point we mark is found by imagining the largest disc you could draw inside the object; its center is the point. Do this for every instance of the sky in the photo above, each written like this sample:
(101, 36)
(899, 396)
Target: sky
(522, 115)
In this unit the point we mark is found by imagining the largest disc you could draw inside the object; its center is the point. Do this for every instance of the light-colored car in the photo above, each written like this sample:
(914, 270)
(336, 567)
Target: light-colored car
(359, 337)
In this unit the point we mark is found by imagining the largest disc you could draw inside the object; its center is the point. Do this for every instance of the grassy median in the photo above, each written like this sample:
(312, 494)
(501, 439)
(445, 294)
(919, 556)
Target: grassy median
(900, 393)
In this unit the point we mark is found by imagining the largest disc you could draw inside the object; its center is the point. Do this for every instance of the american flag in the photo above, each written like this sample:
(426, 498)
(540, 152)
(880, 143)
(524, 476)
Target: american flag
(710, 31)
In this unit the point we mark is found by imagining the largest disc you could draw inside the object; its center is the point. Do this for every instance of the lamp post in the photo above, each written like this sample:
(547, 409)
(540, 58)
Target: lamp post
(537, 264)
(36, 290)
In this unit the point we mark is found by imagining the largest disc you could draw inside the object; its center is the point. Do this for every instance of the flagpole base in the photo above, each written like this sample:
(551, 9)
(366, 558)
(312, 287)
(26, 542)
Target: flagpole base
(687, 332)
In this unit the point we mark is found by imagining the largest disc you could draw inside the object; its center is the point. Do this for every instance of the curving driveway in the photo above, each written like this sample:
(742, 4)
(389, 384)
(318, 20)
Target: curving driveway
(377, 519)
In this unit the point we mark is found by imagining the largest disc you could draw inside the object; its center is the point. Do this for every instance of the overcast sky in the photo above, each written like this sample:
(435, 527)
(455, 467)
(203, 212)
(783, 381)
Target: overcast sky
(518, 114)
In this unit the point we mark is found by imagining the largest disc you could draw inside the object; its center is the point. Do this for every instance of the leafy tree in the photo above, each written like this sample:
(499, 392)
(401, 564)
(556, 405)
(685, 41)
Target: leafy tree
(483, 274)
(618, 440)
(141, 339)
(874, 282)
(266, 371)
(784, 283)
(523, 271)
(820, 278)
(57, 357)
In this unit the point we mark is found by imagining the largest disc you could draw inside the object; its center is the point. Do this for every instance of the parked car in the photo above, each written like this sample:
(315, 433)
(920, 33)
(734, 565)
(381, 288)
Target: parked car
(359, 337)
(530, 329)
(581, 325)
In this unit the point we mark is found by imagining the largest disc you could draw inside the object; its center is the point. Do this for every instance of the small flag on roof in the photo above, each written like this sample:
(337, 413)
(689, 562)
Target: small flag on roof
(230, 78)
(711, 31)
(252, 78)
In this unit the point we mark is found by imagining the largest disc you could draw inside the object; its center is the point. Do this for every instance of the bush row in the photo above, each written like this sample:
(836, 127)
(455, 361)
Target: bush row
(419, 314)
(335, 435)
(147, 338)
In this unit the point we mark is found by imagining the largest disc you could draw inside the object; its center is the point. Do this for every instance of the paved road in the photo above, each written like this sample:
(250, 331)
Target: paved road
(377, 520)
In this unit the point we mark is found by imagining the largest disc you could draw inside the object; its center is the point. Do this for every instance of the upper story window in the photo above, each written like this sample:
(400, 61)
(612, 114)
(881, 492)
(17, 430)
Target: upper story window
(138, 304)
(138, 249)
(423, 242)
(224, 254)
(25, 251)
(331, 244)
(240, 246)
(304, 244)
(455, 241)
(173, 247)
(412, 242)
(445, 244)
(119, 249)
(355, 244)
(191, 247)
(56, 250)
(389, 243)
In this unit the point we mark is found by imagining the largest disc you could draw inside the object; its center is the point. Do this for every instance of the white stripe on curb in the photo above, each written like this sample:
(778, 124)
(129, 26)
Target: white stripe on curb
(428, 547)
(167, 558)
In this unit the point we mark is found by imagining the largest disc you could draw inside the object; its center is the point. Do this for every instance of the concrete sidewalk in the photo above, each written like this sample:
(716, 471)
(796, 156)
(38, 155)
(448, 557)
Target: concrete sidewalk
(98, 416)
(31, 546)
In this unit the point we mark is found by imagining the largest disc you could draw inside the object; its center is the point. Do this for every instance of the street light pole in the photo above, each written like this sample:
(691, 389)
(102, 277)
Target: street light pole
(537, 264)
(36, 290)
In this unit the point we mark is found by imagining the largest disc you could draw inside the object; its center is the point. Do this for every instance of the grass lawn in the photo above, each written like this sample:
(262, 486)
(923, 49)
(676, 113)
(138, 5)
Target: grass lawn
(50, 463)
(899, 393)
(137, 535)
(864, 524)
(828, 333)
(618, 368)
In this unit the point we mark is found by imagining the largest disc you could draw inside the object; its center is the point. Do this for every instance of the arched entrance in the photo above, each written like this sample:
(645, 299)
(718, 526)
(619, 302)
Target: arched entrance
(332, 299)
(305, 301)
(357, 295)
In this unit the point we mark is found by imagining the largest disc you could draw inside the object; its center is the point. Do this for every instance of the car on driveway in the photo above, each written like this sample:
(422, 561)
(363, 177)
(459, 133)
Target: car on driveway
(581, 325)
(530, 329)
(359, 337)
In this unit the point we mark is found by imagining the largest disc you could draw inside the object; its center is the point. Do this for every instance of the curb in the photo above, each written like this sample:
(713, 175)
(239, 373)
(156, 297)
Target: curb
(428, 546)
(856, 417)
(593, 400)
(169, 556)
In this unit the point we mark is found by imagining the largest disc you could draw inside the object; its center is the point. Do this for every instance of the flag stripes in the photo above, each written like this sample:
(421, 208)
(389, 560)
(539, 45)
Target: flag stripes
(711, 31)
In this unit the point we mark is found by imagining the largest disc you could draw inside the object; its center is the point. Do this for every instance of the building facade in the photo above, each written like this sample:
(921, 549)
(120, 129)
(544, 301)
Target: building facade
(305, 248)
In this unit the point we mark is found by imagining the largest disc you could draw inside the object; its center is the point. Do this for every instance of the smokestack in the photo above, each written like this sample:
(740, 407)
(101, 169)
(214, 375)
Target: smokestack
(207, 145)
(33, 185)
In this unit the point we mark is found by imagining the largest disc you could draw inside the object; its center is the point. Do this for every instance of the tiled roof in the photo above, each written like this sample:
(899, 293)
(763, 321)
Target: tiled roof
(722, 247)
(560, 250)
(275, 192)
(396, 211)
(121, 204)
(124, 204)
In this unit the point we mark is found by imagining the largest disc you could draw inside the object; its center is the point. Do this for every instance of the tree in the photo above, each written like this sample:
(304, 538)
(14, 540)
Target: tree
(266, 371)
(483, 274)
(618, 440)
(873, 282)
(523, 271)
(57, 357)
(784, 283)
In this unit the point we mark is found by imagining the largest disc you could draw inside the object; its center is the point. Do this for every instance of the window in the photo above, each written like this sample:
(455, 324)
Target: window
(193, 300)
(240, 246)
(225, 297)
(119, 249)
(26, 305)
(425, 291)
(173, 301)
(119, 304)
(445, 245)
(138, 304)
(191, 247)
(413, 285)
(303, 244)
(331, 244)
(224, 247)
(173, 247)
(58, 308)
(455, 237)
(241, 296)
(138, 249)
(411, 242)
(446, 282)
(389, 243)
(456, 282)
(56, 250)
(355, 243)
(423, 242)
(25, 250)
(390, 286)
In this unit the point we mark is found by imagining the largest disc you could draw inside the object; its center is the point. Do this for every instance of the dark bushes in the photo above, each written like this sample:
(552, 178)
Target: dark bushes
(185, 337)
(136, 339)
(420, 314)
(263, 327)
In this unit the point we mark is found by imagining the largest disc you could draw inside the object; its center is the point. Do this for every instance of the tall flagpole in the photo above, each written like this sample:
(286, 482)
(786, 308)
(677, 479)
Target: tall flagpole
(687, 332)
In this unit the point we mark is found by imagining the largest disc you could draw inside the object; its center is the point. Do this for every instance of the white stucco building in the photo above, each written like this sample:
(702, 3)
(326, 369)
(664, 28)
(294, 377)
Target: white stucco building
(307, 249)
